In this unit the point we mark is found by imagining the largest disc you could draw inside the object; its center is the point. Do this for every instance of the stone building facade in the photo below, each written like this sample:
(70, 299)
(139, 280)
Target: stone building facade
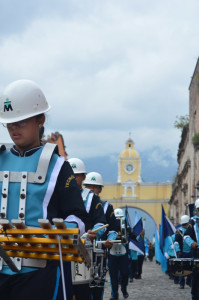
(184, 191)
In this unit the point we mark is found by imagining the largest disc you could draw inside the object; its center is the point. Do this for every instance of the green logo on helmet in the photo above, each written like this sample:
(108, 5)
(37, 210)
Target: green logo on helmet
(73, 165)
(7, 105)
(93, 178)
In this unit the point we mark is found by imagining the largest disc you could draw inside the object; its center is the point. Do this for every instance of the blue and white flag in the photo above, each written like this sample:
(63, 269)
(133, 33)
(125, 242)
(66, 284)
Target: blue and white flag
(159, 257)
(135, 245)
(136, 218)
(166, 229)
(157, 246)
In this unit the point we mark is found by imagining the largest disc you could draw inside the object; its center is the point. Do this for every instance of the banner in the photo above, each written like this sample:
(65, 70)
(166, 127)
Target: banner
(135, 245)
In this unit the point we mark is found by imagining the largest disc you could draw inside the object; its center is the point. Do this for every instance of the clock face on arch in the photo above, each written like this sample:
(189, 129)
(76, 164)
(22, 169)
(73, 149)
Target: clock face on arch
(129, 168)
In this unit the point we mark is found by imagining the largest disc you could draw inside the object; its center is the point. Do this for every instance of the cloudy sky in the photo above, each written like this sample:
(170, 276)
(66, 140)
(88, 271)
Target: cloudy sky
(107, 68)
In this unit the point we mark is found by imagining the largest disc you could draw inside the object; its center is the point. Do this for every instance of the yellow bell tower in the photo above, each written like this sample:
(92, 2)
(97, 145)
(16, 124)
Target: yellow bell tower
(131, 191)
(129, 169)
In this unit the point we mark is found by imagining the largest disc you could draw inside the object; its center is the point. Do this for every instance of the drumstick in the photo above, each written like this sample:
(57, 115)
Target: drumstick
(115, 241)
(86, 233)
(106, 225)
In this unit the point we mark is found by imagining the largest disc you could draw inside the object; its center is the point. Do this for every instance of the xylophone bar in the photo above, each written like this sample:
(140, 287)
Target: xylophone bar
(35, 240)
(43, 256)
(39, 249)
(41, 231)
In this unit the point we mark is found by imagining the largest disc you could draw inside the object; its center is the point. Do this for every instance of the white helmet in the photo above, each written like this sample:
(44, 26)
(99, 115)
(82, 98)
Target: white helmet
(93, 178)
(184, 219)
(197, 203)
(20, 100)
(118, 212)
(77, 166)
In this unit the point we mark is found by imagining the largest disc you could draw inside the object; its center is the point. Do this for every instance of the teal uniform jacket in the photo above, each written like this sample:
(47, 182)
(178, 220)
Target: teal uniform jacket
(57, 197)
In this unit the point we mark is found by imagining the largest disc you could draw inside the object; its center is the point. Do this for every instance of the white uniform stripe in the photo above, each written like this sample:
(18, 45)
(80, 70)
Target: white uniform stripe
(105, 207)
(52, 183)
(195, 229)
(88, 205)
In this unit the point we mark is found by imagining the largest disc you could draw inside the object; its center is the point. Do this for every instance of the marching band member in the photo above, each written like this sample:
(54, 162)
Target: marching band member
(51, 189)
(182, 248)
(133, 261)
(96, 218)
(109, 236)
(94, 182)
(118, 258)
(92, 203)
(170, 253)
(191, 237)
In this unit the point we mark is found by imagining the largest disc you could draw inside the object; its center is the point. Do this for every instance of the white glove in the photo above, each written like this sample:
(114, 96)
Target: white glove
(166, 255)
(172, 247)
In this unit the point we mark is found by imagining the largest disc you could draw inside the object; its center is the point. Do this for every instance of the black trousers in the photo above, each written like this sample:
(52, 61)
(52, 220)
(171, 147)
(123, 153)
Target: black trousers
(81, 291)
(118, 264)
(132, 268)
(36, 285)
(140, 264)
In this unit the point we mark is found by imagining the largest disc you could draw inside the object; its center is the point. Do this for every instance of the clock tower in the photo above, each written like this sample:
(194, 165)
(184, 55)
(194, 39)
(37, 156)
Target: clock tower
(129, 169)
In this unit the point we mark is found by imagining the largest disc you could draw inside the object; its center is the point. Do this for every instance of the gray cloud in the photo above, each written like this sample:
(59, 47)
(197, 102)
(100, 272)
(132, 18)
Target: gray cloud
(106, 67)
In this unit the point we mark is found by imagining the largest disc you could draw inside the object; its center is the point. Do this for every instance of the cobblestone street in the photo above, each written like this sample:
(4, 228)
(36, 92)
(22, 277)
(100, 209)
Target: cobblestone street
(154, 285)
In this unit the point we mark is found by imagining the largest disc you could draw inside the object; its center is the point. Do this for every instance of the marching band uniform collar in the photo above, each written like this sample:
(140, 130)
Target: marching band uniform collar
(26, 153)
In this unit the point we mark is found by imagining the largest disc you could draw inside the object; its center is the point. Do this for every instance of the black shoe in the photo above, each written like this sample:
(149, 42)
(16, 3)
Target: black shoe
(131, 280)
(181, 287)
(125, 295)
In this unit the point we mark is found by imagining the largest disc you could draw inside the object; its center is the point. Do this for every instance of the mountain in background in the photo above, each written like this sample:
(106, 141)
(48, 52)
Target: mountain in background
(157, 166)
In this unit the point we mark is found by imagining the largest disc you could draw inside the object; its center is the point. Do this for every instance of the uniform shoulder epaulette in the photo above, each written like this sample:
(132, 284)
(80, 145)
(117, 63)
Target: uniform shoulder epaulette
(98, 205)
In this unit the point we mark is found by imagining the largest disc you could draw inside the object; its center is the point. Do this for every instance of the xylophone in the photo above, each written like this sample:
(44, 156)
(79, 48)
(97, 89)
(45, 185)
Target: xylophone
(20, 245)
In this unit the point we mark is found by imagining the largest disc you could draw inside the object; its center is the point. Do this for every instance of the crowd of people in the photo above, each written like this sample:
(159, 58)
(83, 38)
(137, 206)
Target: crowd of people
(182, 253)
(37, 183)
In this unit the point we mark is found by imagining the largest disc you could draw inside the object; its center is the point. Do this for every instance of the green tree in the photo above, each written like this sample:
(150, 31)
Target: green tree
(181, 121)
